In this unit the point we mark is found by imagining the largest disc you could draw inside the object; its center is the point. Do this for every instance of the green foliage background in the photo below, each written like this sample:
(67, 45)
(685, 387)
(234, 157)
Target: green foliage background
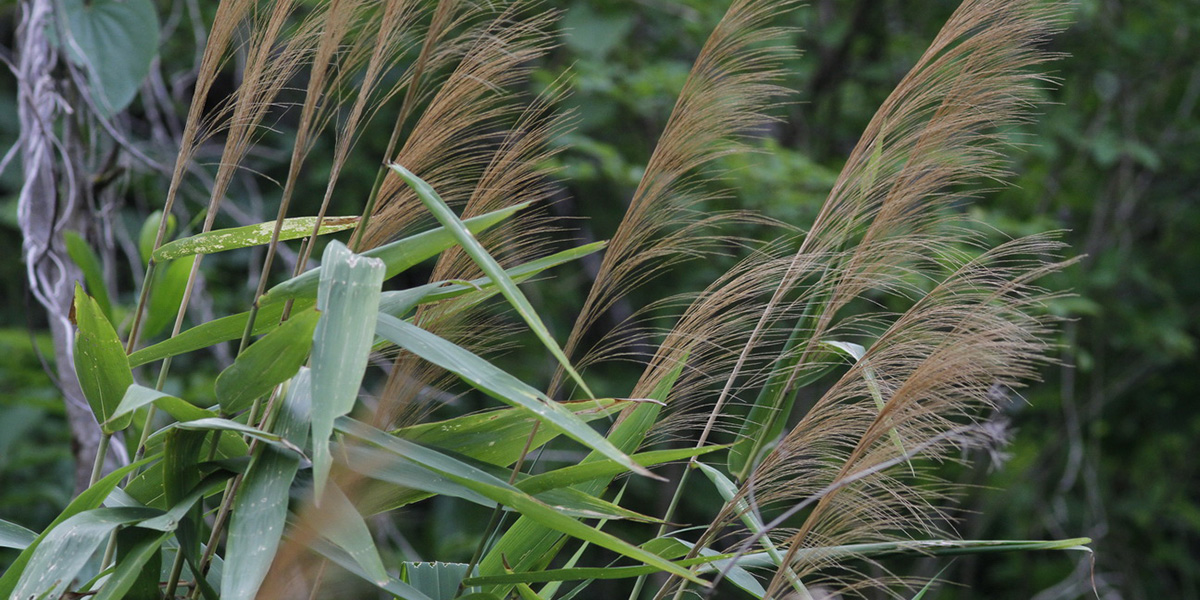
(1105, 447)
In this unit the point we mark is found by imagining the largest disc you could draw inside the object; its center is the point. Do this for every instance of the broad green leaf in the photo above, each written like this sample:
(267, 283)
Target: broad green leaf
(487, 264)
(170, 281)
(529, 546)
(115, 41)
(336, 555)
(267, 363)
(85, 258)
(400, 302)
(67, 548)
(181, 410)
(437, 580)
(502, 493)
(348, 301)
(418, 483)
(100, 362)
(218, 330)
(219, 424)
(138, 565)
(397, 256)
(342, 524)
(260, 507)
(500, 385)
(585, 472)
(499, 436)
(137, 396)
(397, 304)
(85, 501)
(149, 233)
(15, 536)
(235, 238)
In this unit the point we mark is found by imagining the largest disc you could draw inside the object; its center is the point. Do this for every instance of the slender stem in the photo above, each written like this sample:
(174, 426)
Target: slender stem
(101, 453)
(173, 578)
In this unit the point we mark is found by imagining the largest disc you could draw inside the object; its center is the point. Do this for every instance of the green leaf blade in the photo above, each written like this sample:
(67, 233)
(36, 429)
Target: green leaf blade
(100, 362)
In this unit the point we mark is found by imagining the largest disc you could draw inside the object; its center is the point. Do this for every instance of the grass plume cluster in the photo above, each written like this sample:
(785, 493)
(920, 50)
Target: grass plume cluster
(888, 308)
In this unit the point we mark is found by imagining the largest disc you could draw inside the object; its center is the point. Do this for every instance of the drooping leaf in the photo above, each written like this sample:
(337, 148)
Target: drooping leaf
(67, 548)
(219, 424)
(218, 330)
(260, 507)
(728, 491)
(530, 546)
(487, 264)
(100, 362)
(395, 587)
(397, 303)
(115, 42)
(85, 501)
(348, 301)
(266, 363)
(221, 240)
(397, 256)
(139, 560)
(502, 493)
(342, 524)
(588, 471)
(15, 536)
(499, 436)
(85, 258)
(500, 385)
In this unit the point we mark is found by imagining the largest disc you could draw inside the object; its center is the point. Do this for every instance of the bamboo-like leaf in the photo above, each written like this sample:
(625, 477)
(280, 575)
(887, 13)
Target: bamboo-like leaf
(266, 363)
(100, 362)
(170, 281)
(395, 587)
(736, 574)
(499, 436)
(397, 303)
(529, 546)
(67, 548)
(219, 424)
(728, 491)
(85, 258)
(135, 566)
(260, 508)
(218, 330)
(585, 472)
(85, 501)
(500, 385)
(348, 302)
(15, 536)
(487, 264)
(342, 524)
(251, 235)
(397, 256)
(502, 493)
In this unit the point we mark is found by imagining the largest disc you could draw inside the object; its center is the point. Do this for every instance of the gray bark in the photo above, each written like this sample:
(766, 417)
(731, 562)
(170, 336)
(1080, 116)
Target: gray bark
(53, 199)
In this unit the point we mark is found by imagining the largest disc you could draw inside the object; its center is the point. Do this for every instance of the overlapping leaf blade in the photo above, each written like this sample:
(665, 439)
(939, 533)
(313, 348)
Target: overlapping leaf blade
(348, 301)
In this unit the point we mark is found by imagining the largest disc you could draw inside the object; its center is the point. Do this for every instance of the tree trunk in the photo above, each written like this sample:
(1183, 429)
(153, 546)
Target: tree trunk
(53, 200)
